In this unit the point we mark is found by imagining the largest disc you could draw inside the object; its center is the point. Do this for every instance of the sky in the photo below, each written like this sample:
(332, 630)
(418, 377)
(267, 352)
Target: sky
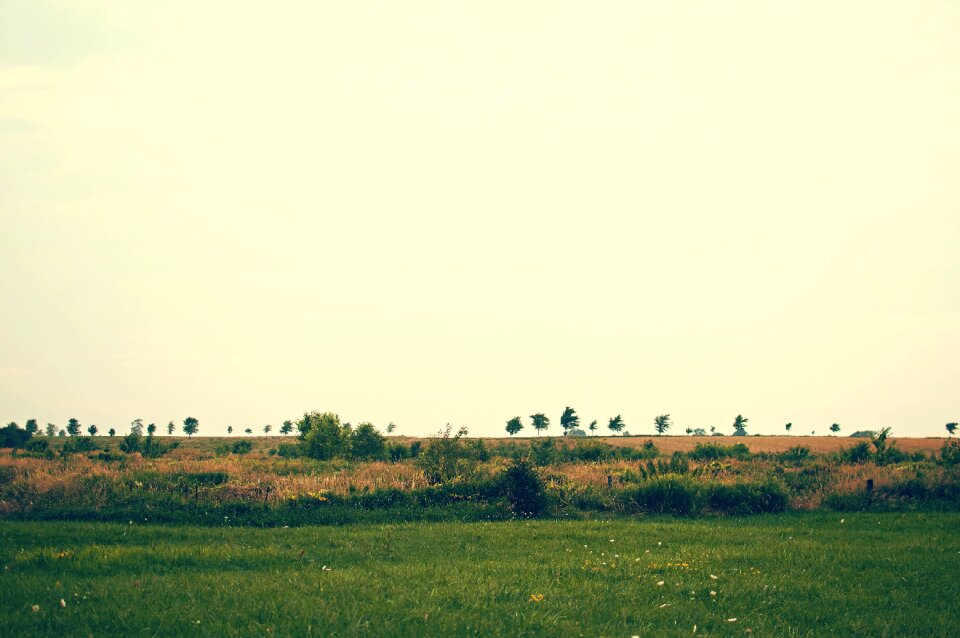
(433, 212)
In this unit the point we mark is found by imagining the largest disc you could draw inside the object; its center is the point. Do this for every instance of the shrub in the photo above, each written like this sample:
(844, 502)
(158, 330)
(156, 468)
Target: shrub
(859, 453)
(663, 495)
(747, 498)
(13, 436)
(289, 450)
(797, 454)
(712, 452)
(367, 443)
(78, 444)
(447, 457)
(524, 489)
(241, 447)
(324, 437)
(950, 453)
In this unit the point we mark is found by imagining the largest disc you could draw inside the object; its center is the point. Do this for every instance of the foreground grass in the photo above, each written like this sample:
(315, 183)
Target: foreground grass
(783, 575)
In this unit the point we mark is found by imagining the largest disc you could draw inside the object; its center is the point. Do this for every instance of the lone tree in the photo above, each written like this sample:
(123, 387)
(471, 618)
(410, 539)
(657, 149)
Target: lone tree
(514, 425)
(835, 428)
(540, 421)
(569, 419)
(662, 423)
(170, 428)
(593, 426)
(788, 427)
(286, 428)
(951, 428)
(136, 427)
(73, 427)
(266, 429)
(391, 427)
(248, 431)
(32, 427)
(229, 429)
(740, 425)
(51, 429)
(616, 424)
(112, 432)
(151, 429)
(190, 426)
(92, 430)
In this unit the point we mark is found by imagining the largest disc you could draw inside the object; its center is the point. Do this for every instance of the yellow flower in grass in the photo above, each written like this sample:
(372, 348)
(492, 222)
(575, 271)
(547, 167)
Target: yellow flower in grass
(536, 598)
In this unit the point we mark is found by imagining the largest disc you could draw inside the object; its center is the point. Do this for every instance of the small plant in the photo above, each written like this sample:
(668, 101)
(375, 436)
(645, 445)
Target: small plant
(524, 489)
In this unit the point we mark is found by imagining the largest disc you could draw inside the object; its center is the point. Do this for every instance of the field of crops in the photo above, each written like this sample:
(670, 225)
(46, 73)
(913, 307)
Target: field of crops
(810, 574)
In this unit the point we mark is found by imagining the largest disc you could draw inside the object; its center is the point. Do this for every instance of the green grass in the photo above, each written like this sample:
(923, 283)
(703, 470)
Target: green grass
(782, 575)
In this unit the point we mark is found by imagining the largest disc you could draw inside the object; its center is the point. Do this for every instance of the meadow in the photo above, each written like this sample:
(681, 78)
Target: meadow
(797, 574)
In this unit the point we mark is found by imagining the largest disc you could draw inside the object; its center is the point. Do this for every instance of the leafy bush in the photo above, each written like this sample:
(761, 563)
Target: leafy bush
(367, 443)
(859, 453)
(797, 454)
(13, 436)
(663, 495)
(524, 489)
(447, 457)
(746, 498)
(242, 447)
(713, 451)
(324, 437)
(78, 444)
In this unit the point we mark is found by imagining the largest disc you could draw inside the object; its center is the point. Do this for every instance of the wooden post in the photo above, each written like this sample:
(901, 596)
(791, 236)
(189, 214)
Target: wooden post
(610, 481)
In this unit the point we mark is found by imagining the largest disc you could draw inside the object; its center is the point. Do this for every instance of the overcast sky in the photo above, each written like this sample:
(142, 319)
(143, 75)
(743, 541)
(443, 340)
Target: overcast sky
(432, 212)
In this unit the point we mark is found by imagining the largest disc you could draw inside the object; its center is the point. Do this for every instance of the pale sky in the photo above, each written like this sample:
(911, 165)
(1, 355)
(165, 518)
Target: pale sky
(432, 212)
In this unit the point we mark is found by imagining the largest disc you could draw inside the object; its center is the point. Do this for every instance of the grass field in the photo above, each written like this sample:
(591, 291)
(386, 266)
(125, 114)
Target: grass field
(809, 574)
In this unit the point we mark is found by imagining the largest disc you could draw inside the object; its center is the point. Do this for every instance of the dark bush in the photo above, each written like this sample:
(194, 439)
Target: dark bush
(859, 453)
(713, 452)
(524, 489)
(663, 495)
(746, 498)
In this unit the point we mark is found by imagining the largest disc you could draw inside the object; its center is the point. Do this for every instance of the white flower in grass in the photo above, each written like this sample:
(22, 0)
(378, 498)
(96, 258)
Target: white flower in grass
(63, 603)
(731, 620)
(712, 577)
(660, 584)
(35, 608)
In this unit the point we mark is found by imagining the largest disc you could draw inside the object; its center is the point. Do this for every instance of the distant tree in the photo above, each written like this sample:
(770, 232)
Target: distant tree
(699, 432)
(190, 426)
(286, 428)
(73, 427)
(883, 449)
(249, 431)
(136, 427)
(713, 430)
(788, 427)
(367, 443)
(951, 428)
(112, 432)
(32, 427)
(92, 430)
(835, 428)
(616, 424)
(662, 423)
(593, 426)
(391, 427)
(740, 425)
(266, 429)
(689, 430)
(62, 432)
(151, 429)
(569, 419)
(540, 421)
(514, 425)
(229, 429)
(51, 429)
(170, 428)
(324, 437)
(13, 436)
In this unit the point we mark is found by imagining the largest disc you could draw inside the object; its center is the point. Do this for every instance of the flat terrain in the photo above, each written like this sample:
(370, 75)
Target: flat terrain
(812, 574)
(666, 444)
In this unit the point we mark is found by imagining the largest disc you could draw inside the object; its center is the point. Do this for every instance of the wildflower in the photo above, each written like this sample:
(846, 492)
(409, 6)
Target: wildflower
(841, 521)
(694, 629)
(35, 608)
(660, 584)
(713, 593)
(664, 605)
(63, 603)
(731, 620)
(712, 577)
(536, 598)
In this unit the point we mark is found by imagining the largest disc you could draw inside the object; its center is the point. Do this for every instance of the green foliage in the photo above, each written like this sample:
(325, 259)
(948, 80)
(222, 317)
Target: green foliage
(540, 422)
(616, 424)
(13, 436)
(797, 454)
(835, 428)
(514, 425)
(146, 446)
(951, 428)
(859, 453)
(740, 425)
(367, 443)
(569, 419)
(950, 453)
(447, 457)
(524, 489)
(711, 452)
(73, 427)
(669, 494)
(32, 427)
(662, 423)
(190, 426)
(77, 444)
(324, 437)
(286, 428)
